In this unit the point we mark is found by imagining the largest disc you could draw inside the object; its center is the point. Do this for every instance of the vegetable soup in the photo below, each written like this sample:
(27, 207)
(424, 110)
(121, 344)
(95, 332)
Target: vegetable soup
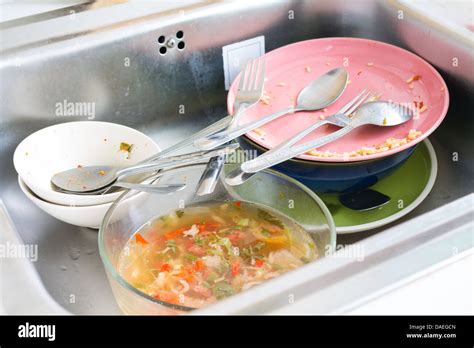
(195, 256)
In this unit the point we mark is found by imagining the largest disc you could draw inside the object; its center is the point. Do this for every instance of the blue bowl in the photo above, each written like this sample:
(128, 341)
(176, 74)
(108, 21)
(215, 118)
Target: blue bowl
(330, 177)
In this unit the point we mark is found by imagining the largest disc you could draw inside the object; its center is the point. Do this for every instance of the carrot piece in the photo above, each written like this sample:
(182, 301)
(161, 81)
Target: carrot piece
(237, 204)
(187, 275)
(139, 239)
(167, 296)
(259, 262)
(175, 233)
(198, 265)
(235, 268)
(208, 226)
(166, 267)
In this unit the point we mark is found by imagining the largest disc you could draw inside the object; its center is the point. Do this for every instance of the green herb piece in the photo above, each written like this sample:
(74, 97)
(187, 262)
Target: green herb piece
(265, 232)
(199, 241)
(243, 222)
(190, 257)
(223, 267)
(226, 243)
(213, 276)
(259, 246)
(179, 213)
(225, 231)
(222, 289)
(265, 215)
(246, 253)
(171, 244)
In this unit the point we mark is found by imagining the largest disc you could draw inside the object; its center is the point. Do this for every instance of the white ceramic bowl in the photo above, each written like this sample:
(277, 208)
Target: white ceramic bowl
(64, 146)
(85, 216)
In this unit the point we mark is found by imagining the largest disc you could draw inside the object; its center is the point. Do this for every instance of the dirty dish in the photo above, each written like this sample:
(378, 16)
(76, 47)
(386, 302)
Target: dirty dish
(63, 146)
(393, 72)
(403, 198)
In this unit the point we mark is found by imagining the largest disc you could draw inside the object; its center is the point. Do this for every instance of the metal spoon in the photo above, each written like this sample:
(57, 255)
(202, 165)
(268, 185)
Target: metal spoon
(375, 113)
(92, 178)
(213, 128)
(340, 119)
(320, 93)
(161, 189)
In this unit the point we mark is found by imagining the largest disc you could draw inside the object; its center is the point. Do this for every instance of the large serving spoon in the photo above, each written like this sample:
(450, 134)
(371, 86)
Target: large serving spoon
(320, 93)
(377, 113)
(93, 178)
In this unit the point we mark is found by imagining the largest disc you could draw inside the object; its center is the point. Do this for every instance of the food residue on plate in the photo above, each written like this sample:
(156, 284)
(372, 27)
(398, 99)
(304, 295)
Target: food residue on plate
(127, 148)
(307, 69)
(370, 64)
(101, 172)
(390, 143)
(265, 98)
(420, 106)
(259, 132)
(413, 78)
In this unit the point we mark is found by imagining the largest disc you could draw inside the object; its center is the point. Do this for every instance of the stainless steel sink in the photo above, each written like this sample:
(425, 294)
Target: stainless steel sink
(111, 56)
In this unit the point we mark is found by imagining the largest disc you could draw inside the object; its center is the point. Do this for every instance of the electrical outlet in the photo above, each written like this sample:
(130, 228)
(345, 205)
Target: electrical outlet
(237, 54)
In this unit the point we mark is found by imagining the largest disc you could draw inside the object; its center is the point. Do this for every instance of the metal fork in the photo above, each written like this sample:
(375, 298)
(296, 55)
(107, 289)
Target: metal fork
(249, 92)
(340, 118)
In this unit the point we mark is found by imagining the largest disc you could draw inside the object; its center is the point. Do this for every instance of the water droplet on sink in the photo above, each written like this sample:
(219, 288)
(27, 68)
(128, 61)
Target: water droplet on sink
(74, 253)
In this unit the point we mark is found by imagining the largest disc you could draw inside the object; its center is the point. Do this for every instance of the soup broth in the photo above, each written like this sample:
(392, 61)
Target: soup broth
(198, 255)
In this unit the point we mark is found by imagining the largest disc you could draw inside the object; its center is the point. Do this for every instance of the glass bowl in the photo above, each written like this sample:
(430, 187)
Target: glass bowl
(270, 189)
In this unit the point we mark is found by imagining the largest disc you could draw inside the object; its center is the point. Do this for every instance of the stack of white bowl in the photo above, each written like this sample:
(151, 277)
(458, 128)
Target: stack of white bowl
(68, 145)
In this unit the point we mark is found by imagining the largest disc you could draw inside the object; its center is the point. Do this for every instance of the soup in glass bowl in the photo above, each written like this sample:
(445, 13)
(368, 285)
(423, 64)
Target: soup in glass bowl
(176, 253)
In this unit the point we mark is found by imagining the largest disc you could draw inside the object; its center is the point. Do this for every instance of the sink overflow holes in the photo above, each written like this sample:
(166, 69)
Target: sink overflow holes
(167, 43)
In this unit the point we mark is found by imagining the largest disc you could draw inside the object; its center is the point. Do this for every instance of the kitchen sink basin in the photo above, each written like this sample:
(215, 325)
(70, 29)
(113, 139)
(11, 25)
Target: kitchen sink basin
(112, 56)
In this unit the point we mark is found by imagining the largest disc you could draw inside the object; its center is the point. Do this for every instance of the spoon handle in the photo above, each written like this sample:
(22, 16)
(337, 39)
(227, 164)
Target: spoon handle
(169, 162)
(213, 128)
(208, 181)
(161, 189)
(268, 160)
(295, 138)
(210, 142)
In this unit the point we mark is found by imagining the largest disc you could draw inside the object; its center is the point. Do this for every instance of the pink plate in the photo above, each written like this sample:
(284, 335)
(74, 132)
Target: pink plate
(380, 67)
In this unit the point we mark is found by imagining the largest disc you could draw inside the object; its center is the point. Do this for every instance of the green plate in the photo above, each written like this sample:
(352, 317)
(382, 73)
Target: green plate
(407, 187)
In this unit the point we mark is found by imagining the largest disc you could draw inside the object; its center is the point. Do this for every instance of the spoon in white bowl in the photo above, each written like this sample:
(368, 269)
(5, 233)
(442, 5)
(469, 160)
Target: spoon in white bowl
(92, 178)
(62, 185)
(150, 188)
(377, 113)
